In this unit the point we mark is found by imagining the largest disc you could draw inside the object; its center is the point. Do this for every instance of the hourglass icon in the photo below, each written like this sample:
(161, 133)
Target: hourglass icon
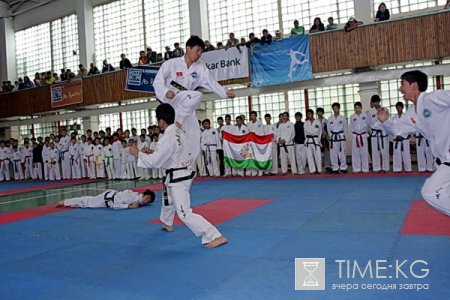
(310, 267)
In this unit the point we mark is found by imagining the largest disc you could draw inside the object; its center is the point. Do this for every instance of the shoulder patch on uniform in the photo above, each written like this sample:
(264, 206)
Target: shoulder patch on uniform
(194, 74)
(426, 113)
(317, 126)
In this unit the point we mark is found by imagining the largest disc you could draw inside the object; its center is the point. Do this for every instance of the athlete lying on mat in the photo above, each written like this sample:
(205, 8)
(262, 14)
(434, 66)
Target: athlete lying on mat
(112, 199)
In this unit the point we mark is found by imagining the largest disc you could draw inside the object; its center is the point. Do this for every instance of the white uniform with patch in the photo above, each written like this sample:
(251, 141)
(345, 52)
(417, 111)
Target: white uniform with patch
(111, 199)
(337, 130)
(286, 132)
(359, 126)
(174, 156)
(210, 142)
(425, 159)
(402, 155)
(75, 163)
(379, 143)
(313, 133)
(431, 117)
(5, 157)
(186, 102)
(63, 147)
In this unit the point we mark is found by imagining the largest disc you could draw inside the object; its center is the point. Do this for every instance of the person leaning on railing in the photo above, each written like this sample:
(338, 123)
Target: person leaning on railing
(447, 5)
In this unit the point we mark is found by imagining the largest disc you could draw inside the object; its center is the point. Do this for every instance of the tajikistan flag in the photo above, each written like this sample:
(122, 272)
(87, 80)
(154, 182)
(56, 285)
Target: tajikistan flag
(247, 151)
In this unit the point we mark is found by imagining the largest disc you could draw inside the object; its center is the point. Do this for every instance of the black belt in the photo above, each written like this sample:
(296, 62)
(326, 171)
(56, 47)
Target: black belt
(208, 159)
(109, 198)
(419, 138)
(379, 135)
(439, 162)
(333, 139)
(400, 139)
(284, 147)
(169, 172)
(312, 137)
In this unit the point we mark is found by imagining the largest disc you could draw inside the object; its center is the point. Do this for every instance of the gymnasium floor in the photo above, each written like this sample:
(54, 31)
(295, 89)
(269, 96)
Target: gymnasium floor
(49, 253)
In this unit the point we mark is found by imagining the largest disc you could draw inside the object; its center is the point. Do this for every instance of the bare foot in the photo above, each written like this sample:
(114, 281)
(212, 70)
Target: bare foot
(59, 203)
(217, 242)
(167, 228)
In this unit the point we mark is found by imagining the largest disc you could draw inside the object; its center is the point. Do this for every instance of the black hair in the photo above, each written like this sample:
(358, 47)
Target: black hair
(310, 111)
(165, 112)
(253, 113)
(194, 40)
(400, 104)
(206, 120)
(335, 104)
(151, 194)
(267, 116)
(416, 77)
(375, 98)
(219, 119)
(320, 109)
(228, 116)
(357, 104)
(299, 114)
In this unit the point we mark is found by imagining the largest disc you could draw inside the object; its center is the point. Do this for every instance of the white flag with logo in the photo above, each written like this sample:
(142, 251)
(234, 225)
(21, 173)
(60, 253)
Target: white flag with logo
(227, 64)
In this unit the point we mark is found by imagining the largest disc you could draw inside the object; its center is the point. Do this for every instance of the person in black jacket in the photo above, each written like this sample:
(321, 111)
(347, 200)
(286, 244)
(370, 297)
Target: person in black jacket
(266, 37)
(37, 159)
(299, 140)
(107, 67)
(317, 26)
(382, 13)
(125, 62)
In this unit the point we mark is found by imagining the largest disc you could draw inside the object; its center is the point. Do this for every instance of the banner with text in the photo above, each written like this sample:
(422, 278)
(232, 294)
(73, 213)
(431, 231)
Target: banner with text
(283, 61)
(140, 79)
(66, 93)
(227, 64)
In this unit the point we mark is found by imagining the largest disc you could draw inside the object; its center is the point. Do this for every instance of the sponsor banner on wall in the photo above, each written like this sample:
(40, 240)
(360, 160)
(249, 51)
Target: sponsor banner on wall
(227, 64)
(140, 79)
(283, 61)
(66, 93)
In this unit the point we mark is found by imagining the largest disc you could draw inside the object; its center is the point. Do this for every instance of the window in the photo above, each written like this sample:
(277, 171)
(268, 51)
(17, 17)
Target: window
(306, 10)
(75, 124)
(136, 119)
(402, 6)
(44, 129)
(33, 50)
(241, 17)
(234, 107)
(273, 104)
(167, 22)
(118, 28)
(65, 50)
(24, 132)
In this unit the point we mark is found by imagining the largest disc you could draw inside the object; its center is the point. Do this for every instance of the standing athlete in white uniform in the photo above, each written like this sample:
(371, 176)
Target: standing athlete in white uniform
(175, 84)
(270, 128)
(286, 134)
(430, 115)
(402, 154)
(359, 125)
(337, 130)
(313, 134)
(64, 156)
(378, 138)
(173, 155)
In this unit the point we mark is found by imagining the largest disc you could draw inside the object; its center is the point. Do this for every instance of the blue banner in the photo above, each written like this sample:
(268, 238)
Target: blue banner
(283, 61)
(140, 79)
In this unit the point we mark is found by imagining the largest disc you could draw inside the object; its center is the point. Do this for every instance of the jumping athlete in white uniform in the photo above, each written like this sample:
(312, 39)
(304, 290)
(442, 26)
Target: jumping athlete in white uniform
(429, 115)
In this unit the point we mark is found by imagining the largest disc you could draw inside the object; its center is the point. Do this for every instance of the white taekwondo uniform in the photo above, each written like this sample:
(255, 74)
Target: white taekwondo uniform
(431, 117)
(272, 129)
(425, 159)
(109, 160)
(5, 158)
(63, 147)
(210, 143)
(186, 102)
(359, 125)
(99, 161)
(112, 199)
(379, 143)
(337, 130)
(17, 158)
(173, 155)
(117, 153)
(143, 173)
(27, 160)
(286, 131)
(46, 161)
(83, 169)
(89, 160)
(402, 153)
(313, 133)
(55, 172)
(74, 158)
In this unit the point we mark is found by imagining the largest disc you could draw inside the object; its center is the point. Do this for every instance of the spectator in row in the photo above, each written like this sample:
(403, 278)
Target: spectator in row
(252, 39)
(297, 30)
(125, 62)
(28, 84)
(49, 79)
(382, 13)
(447, 5)
(278, 35)
(151, 55)
(232, 41)
(352, 24)
(82, 72)
(37, 79)
(159, 57)
(220, 45)
(63, 75)
(208, 46)
(317, 26)
(178, 51)
(266, 37)
(107, 67)
(243, 42)
(143, 58)
(331, 25)
(168, 54)
(93, 70)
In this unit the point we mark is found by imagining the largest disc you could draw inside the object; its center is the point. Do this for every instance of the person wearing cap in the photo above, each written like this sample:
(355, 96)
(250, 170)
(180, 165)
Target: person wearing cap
(111, 199)
(352, 24)
(430, 115)
(278, 35)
